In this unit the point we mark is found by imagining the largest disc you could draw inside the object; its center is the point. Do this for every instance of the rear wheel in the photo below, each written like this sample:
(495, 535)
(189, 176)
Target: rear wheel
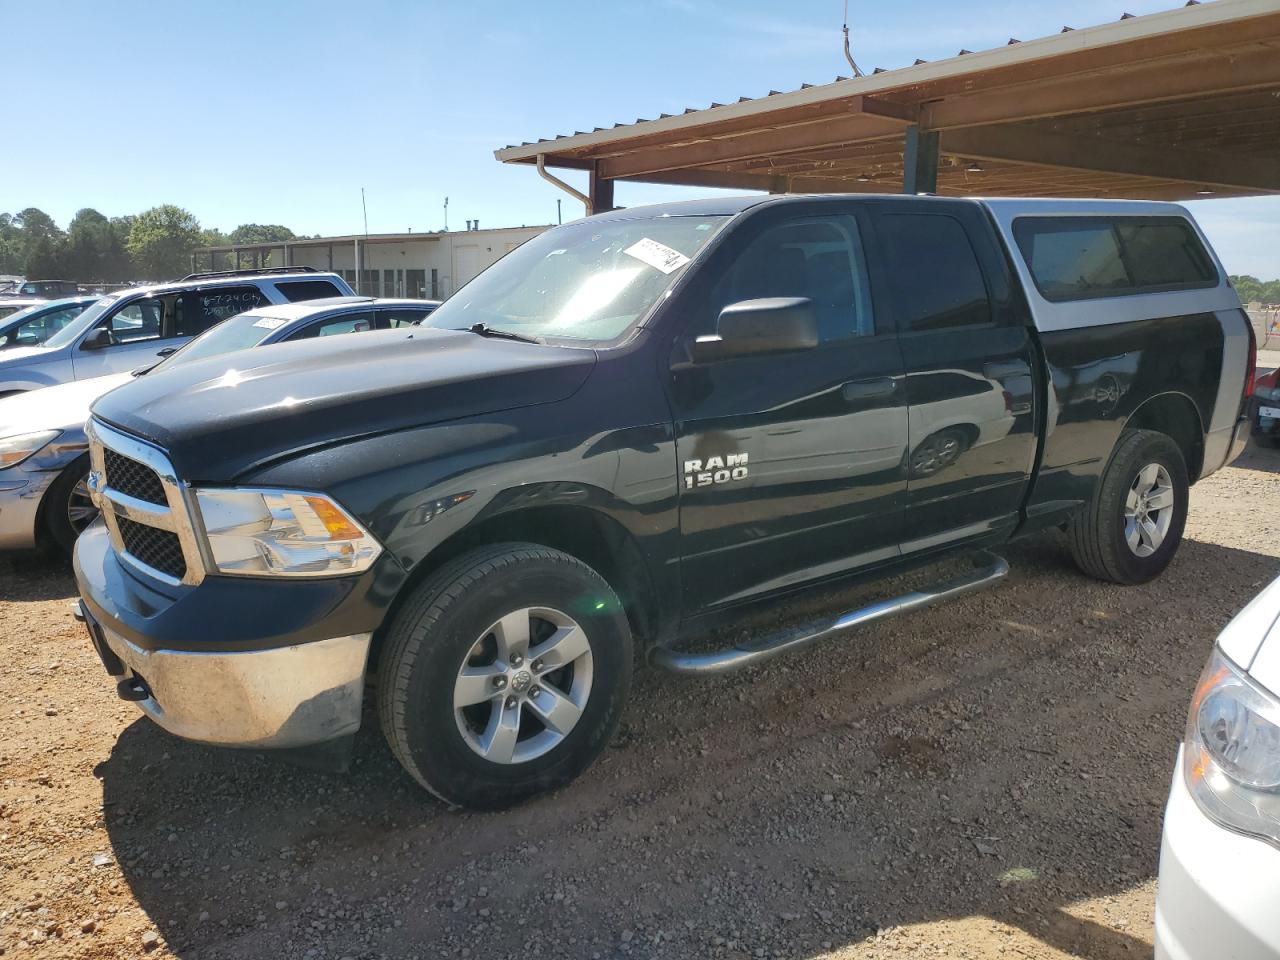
(504, 675)
(67, 506)
(1130, 529)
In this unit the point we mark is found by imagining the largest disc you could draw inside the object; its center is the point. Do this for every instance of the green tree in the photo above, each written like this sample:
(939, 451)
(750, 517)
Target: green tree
(44, 259)
(11, 258)
(161, 240)
(261, 233)
(93, 250)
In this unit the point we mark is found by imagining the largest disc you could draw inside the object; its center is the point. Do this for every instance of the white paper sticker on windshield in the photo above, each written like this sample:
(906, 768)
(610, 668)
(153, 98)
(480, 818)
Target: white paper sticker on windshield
(657, 255)
(268, 323)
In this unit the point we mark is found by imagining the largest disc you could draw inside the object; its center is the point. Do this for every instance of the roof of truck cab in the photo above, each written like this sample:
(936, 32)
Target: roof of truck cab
(1015, 206)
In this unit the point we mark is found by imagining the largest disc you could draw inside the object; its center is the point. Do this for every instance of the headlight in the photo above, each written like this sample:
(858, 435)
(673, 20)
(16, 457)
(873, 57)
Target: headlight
(282, 533)
(13, 450)
(1231, 760)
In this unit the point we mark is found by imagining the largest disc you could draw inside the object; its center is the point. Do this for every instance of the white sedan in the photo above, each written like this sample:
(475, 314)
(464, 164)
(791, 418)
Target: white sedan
(1219, 889)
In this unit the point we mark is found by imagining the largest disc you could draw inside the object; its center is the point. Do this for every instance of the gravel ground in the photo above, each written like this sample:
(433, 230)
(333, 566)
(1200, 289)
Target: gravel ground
(980, 780)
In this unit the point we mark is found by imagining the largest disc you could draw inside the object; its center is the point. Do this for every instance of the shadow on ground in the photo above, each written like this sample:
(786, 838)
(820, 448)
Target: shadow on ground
(1005, 756)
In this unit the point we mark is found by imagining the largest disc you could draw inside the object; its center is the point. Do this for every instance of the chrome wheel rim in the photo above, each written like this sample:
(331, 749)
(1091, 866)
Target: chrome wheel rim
(523, 685)
(1148, 510)
(80, 509)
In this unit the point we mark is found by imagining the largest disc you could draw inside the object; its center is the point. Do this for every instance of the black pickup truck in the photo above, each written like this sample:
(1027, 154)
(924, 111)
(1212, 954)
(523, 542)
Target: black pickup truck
(631, 426)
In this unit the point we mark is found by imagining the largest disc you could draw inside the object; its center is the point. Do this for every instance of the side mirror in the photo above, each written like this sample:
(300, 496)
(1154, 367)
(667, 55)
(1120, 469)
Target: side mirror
(749, 327)
(97, 340)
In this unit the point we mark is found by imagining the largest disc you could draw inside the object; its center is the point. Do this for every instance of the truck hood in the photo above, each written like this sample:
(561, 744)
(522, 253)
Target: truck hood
(61, 407)
(223, 417)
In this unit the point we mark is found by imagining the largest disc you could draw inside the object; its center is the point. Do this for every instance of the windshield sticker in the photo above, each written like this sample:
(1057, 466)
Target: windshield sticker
(657, 255)
(269, 323)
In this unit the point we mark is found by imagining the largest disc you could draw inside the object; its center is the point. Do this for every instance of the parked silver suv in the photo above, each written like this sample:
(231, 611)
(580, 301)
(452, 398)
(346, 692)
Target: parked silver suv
(131, 328)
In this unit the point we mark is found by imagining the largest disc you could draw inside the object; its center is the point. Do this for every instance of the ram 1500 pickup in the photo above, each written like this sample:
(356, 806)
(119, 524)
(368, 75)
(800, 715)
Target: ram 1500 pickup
(634, 425)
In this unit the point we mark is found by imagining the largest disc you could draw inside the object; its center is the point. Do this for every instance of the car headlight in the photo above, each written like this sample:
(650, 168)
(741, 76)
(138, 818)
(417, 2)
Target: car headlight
(282, 533)
(1231, 760)
(13, 450)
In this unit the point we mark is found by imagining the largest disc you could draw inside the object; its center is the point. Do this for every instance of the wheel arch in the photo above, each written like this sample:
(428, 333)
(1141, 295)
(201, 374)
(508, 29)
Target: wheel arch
(1174, 415)
(586, 533)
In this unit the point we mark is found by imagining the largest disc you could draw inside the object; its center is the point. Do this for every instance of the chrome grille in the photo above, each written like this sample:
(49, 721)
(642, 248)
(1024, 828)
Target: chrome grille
(144, 506)
(157, 549)
(132, 478)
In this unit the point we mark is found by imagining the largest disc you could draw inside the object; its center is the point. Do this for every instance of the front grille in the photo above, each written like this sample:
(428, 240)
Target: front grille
(158, 549)
(132, 478)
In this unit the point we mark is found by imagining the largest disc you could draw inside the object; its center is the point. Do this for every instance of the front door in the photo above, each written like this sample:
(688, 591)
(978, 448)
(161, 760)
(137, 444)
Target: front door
(792, 466)
(137, 329)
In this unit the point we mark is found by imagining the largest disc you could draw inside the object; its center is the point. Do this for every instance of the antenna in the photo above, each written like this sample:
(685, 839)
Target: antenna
(446, 214)
(847, 55)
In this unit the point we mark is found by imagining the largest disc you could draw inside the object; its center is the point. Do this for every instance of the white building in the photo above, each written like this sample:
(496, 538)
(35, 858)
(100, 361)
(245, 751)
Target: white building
(431, 265)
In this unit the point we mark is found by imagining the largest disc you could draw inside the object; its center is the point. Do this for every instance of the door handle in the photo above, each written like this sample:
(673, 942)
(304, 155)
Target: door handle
(876, 389)
(999, 369)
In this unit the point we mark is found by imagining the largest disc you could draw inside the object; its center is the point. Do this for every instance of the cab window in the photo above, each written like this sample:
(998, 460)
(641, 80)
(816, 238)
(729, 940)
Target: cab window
(819, 258)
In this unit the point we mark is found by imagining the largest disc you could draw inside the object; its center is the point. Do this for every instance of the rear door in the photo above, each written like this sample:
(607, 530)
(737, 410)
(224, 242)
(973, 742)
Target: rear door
(792, 466)
(968, 355)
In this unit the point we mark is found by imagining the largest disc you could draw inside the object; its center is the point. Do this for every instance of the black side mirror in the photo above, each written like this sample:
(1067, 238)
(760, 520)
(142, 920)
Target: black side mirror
(771, 325)
(97, 340)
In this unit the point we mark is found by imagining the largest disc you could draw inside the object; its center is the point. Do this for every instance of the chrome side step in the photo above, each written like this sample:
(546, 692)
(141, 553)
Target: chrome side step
(989, 569)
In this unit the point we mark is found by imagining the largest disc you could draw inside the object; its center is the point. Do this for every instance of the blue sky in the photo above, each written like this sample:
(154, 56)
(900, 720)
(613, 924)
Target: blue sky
(280, 112)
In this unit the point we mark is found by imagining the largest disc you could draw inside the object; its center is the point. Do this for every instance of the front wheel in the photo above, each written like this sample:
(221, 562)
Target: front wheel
(67, 507)
(1130, 529)
(504, 675)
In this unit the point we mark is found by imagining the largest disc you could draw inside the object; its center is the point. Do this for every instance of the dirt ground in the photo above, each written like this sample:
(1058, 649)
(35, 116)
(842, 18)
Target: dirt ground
(980, 780)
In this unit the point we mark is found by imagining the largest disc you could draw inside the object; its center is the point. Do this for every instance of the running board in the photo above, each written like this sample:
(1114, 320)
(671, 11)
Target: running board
(989, 569)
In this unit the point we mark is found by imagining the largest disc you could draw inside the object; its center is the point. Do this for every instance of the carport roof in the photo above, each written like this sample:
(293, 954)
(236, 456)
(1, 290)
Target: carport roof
(1170, 105)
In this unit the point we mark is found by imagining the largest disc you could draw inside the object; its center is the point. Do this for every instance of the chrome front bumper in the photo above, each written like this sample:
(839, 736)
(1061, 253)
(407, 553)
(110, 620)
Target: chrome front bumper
(291, 696)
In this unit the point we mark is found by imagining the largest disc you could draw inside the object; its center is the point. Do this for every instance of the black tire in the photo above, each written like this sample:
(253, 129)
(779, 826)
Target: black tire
(1097, 533)
(437, 629)
(60, 531)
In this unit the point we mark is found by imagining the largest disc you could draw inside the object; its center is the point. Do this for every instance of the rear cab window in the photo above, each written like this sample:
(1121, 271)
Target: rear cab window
(933, 272)
(1082, 258)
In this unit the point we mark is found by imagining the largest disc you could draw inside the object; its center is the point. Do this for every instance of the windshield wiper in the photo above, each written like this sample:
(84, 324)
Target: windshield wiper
(484, 330)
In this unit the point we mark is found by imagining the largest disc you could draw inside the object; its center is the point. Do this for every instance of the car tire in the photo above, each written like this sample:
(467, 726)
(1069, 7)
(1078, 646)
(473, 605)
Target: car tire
(67, 509)
(458, 639)
(1123, 534)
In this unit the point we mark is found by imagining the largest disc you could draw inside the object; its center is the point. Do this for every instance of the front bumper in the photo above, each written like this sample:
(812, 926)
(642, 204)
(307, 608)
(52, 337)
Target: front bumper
(235, 661)
(1218, 890)
(286, 697)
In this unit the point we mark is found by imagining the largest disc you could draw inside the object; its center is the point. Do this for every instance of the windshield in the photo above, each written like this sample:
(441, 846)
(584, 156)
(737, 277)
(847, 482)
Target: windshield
(237, 333)
(71, 332)
(589, 280)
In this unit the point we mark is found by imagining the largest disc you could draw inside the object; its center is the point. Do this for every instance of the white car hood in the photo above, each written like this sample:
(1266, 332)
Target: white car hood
(1252, 639)
(55, 408)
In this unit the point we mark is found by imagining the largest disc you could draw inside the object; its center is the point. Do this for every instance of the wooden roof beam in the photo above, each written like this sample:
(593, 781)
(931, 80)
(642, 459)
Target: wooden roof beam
(868, 119)
(1208, 74)
(1032, 144)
